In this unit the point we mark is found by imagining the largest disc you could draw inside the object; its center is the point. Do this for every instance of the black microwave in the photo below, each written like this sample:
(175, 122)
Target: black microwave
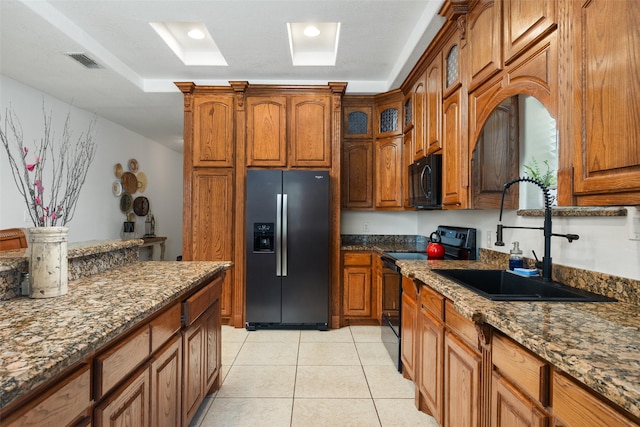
(425, 183)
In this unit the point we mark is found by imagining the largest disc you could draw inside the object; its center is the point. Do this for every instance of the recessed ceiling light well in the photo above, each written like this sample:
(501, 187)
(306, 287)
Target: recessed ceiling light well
(311, 31)
(313, 43)
(190, 41)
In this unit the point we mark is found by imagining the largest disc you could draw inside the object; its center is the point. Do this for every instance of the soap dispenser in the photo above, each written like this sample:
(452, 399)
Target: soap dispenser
(516, 260)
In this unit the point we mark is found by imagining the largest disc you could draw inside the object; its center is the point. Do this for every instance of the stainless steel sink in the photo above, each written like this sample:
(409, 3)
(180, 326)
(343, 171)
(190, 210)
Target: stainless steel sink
(500, 285)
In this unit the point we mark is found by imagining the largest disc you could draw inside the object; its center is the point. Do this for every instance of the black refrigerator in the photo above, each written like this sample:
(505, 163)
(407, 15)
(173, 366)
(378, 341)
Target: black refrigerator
(287, 241)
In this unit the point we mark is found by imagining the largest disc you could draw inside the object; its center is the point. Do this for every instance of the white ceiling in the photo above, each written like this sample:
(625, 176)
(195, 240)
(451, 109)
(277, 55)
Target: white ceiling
(380, 41)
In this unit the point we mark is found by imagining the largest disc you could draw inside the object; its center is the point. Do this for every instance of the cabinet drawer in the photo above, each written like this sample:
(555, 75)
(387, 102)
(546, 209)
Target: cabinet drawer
(64, 403)
(164, 326)
(462, 326)
(358, 258)
(197, 304)
(575, 406)
(116, 363)
(524, 369)
(432, 301)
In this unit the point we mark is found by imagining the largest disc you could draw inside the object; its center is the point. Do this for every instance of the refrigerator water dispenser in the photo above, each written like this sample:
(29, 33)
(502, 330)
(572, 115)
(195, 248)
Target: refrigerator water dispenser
(263, 237)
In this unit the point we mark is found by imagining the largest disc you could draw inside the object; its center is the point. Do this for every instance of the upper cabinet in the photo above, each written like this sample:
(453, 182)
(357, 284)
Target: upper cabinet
(603, 99)
(267, 131)
(524, 23)
(356, 174)
(213, 130)
(388, 114)
(289, 130)
(433, 105)
(484, 42)
(357, 118)
(418, 103)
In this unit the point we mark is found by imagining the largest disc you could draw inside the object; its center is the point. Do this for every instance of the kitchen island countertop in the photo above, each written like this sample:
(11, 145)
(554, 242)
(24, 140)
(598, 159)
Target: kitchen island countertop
(40, 338)
(596, 343)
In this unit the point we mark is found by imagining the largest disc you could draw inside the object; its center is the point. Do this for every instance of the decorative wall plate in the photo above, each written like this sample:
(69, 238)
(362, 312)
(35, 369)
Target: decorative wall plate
(116, 188)
(126, 202)
(117, 170)
(133, 165)
(142, 181)
(129, 182)
(141, 206)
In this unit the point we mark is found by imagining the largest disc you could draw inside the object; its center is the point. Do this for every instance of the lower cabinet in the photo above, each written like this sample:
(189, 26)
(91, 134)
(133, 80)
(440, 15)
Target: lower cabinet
(430, 345)
(156, 375)
(128, 405)
(408, 327)
(461, 383)
(510, 407)
(359, 290)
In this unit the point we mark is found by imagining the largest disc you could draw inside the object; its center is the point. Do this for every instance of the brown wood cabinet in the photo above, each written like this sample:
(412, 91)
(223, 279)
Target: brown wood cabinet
(388, 173)
(455, 166)
(461, 383)
(267, 131)
(290, 130)
(603, 98)
(574, 406)
(213, 131)
(524, 23)
(407, 159)
(510, 407)
(484, 42)
(129, 405)
(408, 327)
(357, 174)
(358, 287)
(65, 403)
(433, 106)
(166, 385)
(430, 365)
(419, 116)
(388, 107)
(201, 347)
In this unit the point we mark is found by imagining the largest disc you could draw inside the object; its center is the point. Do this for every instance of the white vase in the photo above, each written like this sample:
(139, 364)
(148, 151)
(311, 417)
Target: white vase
(48, 263)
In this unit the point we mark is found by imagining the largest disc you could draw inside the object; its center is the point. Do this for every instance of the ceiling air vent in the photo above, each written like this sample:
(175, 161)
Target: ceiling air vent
(84, 60)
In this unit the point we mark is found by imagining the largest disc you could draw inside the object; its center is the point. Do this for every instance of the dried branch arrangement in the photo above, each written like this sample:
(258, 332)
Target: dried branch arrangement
(64, 176)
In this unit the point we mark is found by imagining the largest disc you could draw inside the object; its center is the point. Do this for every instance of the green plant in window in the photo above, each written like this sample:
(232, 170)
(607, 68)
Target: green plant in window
(534, 170)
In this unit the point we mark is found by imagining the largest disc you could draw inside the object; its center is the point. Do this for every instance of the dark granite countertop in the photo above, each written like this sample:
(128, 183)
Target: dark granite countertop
(39, 338)
(596, 343)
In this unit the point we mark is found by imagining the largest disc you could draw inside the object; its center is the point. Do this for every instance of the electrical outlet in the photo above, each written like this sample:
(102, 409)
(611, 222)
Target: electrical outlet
(489, 240)
(365, 227)
(634, 225)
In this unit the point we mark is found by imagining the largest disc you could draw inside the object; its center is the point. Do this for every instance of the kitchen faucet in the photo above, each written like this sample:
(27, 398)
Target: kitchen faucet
(546, 259)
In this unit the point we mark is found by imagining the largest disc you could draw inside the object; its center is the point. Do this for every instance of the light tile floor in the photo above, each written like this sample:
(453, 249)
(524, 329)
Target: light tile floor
(341, 377)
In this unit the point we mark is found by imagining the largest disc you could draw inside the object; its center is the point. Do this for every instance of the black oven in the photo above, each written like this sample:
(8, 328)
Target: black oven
(425, 182)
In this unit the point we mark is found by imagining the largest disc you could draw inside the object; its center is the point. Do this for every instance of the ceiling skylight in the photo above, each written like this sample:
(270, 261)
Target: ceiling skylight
(313, 44)
(191, 42)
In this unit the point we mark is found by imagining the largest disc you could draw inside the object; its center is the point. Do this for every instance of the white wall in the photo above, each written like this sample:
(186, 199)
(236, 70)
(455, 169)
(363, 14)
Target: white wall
(604, 244)
(98, 215)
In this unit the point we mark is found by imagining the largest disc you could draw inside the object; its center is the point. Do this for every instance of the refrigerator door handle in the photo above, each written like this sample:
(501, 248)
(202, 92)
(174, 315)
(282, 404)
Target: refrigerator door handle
(278, 234)
(284, 235)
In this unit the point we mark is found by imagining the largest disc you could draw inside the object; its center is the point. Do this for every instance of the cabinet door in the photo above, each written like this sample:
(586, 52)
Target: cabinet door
(357, 292)
(484, 42)
(388, 115)
(511, 408)
(212, 220)
(128, 405)
(524, 23)
(606, 117)
(433, 105)
(310, 124)
(194, 339)
(420, 121)
(495, 159)
(213, 130)
(431, 371)
(455, 168)
(212, 347)
(388, 173)
(408, 325)
(461, 384)
(407, 159)
(357, 174)
(267, 131)
(358, 120)
(166, 385)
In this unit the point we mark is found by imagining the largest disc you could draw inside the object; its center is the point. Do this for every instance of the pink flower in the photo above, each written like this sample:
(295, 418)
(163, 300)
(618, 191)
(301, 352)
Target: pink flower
(39, 186)
(54, 216)
(38, 200)
(30, 167)
(26, 150)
